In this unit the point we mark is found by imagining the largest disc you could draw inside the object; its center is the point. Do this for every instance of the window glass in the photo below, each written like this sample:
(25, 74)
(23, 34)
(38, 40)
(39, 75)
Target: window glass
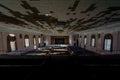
(39, 40)
(108, 39)
(85, 41)
(34, 41)
(80, 41)
(26, 42)
(12, 45)
(107, 44)
(93, 42)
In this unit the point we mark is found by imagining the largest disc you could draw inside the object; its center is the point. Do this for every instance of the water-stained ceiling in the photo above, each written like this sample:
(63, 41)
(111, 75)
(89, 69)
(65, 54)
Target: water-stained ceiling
(59, 16)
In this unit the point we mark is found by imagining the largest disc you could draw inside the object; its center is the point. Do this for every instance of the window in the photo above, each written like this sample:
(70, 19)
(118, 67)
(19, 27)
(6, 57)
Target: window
(108, 39)
(39, 40)
(93, 41)
(20, 36)
(27, 43)
(11, 42)
(12, 45)
(98, 35)
(34, 42)
(85, 40)
(80, 40)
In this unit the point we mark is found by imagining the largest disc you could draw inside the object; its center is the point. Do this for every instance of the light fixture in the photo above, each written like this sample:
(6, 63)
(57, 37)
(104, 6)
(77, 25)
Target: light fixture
(47, 14)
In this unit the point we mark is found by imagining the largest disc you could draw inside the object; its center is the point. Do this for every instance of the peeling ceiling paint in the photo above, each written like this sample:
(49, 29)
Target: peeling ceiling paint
(59, 16)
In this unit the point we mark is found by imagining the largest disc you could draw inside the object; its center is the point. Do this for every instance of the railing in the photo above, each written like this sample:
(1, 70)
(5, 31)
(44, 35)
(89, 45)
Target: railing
(80, 51)
(58, 45)
(2, 52)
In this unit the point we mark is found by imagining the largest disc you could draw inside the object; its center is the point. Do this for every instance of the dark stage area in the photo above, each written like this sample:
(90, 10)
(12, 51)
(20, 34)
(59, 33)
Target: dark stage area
(59, 41)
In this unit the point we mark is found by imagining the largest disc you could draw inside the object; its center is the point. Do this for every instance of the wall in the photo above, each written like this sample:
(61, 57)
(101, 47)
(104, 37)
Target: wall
(71, 40)
(113, 29)
(20, 42)
(1, 43)
(118, 43)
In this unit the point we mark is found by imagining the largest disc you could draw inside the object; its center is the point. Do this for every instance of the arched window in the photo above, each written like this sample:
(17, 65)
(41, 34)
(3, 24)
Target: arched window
(39, 40)
(85, 40)
(11, 42)
(77, 40)
(108, 42)
(20, 36)
(34, 42)
(93, 41)
(80, 40)
(27, 42)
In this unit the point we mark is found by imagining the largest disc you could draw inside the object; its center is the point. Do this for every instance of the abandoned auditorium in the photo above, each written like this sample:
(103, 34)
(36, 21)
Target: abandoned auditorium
(59, 33)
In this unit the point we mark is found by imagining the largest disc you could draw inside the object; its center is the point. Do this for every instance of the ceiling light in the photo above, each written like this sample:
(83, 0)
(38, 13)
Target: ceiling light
(47, 14)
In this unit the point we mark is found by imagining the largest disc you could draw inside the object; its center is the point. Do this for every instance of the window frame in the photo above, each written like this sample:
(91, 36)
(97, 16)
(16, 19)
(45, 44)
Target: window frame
(108, 37)
(39, 39)
(91, 42)
(26, 37)
(80, 41)
(11, 39)
(34, 42)
(85, 37)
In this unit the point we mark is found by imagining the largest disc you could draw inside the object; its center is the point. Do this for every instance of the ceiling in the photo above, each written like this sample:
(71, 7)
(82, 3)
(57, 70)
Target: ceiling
(59, 16)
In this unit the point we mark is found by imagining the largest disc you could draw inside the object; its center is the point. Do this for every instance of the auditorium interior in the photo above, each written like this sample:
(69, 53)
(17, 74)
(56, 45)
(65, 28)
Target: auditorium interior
(61, 33)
